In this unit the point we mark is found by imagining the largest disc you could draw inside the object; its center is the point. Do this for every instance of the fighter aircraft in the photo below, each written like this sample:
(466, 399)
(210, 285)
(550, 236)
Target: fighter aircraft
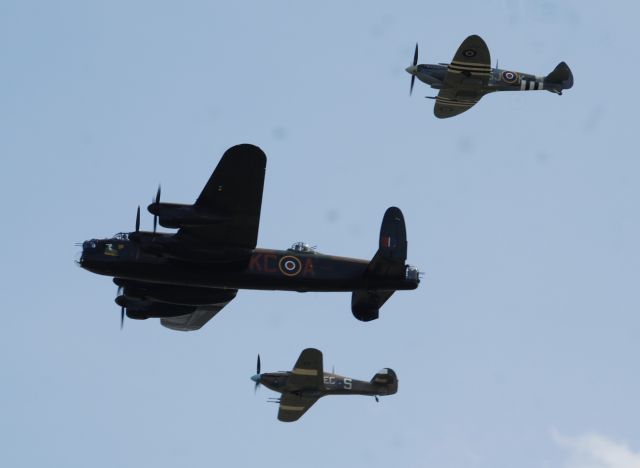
(185, 278)
(307, 382)
(469, 76)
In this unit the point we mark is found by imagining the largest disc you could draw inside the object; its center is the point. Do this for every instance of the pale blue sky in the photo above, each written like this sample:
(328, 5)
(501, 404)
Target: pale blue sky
(523, 337)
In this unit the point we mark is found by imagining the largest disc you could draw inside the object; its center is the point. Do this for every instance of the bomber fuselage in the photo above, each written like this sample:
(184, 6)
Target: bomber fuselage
(266, 269)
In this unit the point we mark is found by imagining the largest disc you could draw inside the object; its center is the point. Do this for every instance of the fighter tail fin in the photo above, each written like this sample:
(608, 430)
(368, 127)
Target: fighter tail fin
(560, 78)
(387, 380)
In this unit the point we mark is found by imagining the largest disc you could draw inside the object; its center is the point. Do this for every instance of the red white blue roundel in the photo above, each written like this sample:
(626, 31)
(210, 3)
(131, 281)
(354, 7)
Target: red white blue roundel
(290, 265)
(510, 77)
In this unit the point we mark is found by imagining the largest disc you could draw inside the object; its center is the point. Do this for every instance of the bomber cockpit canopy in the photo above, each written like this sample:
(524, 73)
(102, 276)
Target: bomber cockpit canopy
(122, 236)
(302, 247)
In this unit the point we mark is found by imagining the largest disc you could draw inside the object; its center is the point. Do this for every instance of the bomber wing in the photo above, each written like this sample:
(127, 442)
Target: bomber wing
(467, 77)
(234, 191)
(292, 406)
(195, 320)
(308, 372)
(183, 308)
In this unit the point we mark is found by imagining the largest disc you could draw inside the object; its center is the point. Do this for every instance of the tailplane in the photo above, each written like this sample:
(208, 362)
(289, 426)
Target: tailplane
(387, 263)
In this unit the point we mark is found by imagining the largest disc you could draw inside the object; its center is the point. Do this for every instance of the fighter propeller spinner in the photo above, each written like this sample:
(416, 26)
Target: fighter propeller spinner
(185, 278)
(469, 76)
(308, 382)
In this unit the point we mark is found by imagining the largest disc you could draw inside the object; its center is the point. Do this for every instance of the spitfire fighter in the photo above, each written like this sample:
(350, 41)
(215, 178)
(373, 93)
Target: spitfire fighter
(308, 382)
(185, 278)
(469, 76)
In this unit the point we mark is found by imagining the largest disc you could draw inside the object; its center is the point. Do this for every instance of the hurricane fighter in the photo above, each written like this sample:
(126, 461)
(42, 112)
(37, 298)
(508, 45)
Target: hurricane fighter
(185, 278)
(308, 382)
(469, 76)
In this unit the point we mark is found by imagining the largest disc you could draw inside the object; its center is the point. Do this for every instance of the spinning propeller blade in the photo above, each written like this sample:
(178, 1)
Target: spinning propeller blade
(257, 376)
(138, 219)
(122, 309)
(157, 203)
(415, 62)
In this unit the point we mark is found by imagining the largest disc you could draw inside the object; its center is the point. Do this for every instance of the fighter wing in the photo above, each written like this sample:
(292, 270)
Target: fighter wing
(234, 191)
(308, 372)
(449, 104)
(467, 76)
(292, 406)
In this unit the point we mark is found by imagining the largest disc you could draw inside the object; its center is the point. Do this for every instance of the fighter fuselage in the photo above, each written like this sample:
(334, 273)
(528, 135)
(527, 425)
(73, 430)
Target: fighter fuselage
(333, 384)
(499, 79)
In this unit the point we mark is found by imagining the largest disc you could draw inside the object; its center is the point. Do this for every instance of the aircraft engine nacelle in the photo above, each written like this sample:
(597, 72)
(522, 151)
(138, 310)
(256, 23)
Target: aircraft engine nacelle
(142, 309)
(171, 294)
(175, 215)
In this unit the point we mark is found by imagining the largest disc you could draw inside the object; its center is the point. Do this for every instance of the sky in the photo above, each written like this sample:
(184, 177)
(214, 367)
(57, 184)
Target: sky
(520, 346)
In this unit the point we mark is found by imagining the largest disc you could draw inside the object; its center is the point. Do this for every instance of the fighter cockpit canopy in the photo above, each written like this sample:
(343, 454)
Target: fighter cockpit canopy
(302, 247)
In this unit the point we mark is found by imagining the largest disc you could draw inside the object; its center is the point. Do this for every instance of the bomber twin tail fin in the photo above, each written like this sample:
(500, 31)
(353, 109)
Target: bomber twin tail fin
(388, 262)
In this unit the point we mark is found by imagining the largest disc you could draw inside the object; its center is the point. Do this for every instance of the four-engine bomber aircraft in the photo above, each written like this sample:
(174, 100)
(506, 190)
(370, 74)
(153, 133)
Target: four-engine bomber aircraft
(308, 382)
(185, 278)
(469, 76)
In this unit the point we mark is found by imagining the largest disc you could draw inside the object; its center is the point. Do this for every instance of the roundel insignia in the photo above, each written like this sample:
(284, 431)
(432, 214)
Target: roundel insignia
(469, 53)
(290, 265)
(510, 77)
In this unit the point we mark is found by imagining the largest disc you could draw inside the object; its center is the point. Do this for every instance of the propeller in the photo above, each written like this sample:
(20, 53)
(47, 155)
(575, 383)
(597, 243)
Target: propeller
(256, 378)
(122, 308)
(413, 69)
(157, 203)
(138, 219)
